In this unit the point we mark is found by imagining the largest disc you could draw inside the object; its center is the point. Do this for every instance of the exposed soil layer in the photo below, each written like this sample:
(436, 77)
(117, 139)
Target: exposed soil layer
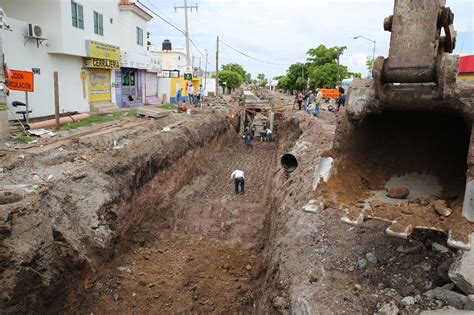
(198, 250)
(315, 264)
(94, 189)
(393, 145)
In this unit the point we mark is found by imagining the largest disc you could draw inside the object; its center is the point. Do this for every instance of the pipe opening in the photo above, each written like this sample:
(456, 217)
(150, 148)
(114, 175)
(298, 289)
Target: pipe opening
(289, 162)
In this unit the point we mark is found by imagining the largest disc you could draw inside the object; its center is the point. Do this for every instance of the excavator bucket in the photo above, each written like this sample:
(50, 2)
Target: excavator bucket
(404, 147)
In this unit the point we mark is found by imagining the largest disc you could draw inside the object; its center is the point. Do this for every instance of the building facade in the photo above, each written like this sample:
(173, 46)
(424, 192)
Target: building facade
(98, 48)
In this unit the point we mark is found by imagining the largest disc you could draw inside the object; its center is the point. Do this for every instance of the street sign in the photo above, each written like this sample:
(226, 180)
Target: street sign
(188, 76)
(21, 81)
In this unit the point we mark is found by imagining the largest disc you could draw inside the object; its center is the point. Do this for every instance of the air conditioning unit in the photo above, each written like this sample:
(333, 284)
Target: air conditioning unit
(35, 31)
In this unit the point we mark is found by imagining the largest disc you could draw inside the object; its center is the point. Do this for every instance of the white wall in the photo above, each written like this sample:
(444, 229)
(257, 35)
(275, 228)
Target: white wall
(128, 39)
(164, 88)
(25, 57)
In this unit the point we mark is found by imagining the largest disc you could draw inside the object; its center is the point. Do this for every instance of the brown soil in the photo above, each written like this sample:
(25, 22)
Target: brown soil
(197, 251)
(388, 145)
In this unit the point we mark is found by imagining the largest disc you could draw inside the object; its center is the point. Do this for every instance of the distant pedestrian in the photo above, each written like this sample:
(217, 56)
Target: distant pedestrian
(191, 93)
(305, 100)
(299, 100)
(269, 134)
(239, 181)
(319, 99)
(341, 102)
(248, 140)
(253, 129)
(179, 94)
(200, 94)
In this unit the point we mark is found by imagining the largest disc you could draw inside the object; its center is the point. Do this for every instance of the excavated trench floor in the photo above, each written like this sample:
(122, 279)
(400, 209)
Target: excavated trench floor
(198, 251)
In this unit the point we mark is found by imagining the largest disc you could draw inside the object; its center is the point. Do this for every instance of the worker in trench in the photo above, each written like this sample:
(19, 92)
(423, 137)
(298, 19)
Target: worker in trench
(239, 181)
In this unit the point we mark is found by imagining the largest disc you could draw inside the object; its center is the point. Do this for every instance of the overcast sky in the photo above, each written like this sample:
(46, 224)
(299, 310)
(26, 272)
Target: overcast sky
(282, 31)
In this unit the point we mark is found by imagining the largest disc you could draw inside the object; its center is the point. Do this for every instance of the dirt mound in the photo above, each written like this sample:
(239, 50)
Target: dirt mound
(390, 148)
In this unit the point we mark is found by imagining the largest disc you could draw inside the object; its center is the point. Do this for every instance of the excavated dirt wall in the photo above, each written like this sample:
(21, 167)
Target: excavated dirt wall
(71, 226)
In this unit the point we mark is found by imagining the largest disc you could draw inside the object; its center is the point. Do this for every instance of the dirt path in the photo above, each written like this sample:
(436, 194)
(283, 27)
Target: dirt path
(196, 253)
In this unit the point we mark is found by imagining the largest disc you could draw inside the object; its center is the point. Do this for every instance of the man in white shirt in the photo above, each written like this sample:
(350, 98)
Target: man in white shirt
(191, 93)
(239, 181)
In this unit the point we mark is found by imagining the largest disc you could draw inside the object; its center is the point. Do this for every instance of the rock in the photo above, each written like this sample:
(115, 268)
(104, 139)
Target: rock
(422, 200)
(440, 207)
(461, 272)
(450, 297)
(470, 303)
(248, 267)
(410, 250)
(409, 300)
(425, 266)
(280, 303)
(361, 263)
(398, 193)
(371, 258)
(388, 309)
(443, 268)
(439, 248)
(446, 311)
(116, 296)
(142, 283)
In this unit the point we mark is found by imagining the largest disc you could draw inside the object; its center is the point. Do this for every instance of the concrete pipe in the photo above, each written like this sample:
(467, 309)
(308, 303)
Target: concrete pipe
(289, 162)
(50, 123)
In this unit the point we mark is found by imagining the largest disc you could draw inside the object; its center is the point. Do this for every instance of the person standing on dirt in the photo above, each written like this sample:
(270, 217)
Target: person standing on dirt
(179, 94)
(311, 99)
(341, 101)
(248, 139)
(319, 99)
(191, 93)
(200, 94)
(239, 181)
(299, 100)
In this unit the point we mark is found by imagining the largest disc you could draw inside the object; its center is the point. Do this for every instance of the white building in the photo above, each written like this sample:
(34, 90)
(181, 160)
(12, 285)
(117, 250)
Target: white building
(99, 49)
(173, 61)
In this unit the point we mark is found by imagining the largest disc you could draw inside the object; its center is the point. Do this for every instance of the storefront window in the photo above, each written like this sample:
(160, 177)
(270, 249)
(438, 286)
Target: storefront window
(128, 78)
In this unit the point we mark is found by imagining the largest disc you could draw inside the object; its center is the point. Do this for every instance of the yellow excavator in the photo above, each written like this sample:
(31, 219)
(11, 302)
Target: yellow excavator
(404, 147)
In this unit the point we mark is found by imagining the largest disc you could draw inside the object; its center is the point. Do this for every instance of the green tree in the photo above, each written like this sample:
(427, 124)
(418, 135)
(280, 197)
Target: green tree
(248, 78)
(322, 55)
(284, 83)
(236, 68)
(230, 79)
(261, 77)
(369, 63)
(263, 83)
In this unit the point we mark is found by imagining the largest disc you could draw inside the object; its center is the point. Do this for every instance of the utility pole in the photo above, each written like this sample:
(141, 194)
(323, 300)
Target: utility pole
(217, 67)
(186, 7)
(4, 124)
(205, 71)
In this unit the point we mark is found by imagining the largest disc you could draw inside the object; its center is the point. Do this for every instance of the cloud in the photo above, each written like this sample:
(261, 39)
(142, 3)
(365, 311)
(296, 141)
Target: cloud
(281, 31)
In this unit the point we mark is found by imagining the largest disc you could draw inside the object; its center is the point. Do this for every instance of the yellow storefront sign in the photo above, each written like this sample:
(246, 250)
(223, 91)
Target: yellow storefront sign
(102, 51)
(99, 86)
(101, 63)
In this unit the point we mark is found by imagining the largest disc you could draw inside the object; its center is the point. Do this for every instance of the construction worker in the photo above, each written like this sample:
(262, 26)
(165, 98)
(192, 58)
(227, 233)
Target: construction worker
(239, 181)
(319, 99)
(179, 94)
(191, 93)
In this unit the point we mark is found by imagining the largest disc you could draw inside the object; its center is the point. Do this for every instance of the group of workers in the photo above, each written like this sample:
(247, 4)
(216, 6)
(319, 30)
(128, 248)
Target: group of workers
(193, 98)
(311, 101)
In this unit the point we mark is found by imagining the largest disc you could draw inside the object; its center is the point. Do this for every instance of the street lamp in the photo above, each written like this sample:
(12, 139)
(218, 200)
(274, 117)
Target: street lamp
(370, 40)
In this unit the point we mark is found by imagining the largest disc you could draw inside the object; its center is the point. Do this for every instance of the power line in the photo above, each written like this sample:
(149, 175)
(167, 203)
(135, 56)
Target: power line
(174, 26)
(250, 57)
(162, 18)
(163, 13)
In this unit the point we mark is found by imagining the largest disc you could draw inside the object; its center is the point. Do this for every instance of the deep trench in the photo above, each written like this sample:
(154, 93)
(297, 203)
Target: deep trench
(199, 249)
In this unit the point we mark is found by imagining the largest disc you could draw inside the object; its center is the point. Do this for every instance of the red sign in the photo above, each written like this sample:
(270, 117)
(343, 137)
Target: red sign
(21, 81)
(466, 64)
